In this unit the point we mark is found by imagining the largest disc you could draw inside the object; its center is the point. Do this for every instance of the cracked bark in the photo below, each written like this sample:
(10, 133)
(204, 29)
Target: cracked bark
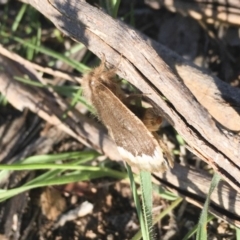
(143, 66)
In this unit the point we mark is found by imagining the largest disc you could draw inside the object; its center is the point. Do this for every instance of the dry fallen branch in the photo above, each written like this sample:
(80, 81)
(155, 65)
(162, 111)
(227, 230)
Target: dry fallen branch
(37, 67)
(144, 68)
(190, 183)
(225, 201)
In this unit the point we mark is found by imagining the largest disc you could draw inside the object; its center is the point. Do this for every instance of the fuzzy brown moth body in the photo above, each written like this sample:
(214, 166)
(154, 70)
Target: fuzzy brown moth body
(135, 143)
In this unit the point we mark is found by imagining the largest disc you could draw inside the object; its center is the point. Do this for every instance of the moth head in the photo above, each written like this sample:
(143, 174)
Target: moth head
(151, 119)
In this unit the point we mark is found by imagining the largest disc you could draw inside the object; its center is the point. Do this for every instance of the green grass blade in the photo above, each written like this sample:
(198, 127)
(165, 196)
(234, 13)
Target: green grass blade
(53, 177)
(52, 173)
(164, 193)
(195, 228)
(74, 92)
(167, 210)
(112, 7)
(138, 235)
(237, 233)
(202, 225)
(132, 18)
(46, 166)
(74, 49)
(146, 189)
(57, 180)
(19, 17)
(81, 157)
(3, 100)
(49, 158)
(135, 196)
(75, 64)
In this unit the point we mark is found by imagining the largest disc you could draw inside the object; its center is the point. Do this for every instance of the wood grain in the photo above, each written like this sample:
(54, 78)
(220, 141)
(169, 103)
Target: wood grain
(190, 183)
(145, 69)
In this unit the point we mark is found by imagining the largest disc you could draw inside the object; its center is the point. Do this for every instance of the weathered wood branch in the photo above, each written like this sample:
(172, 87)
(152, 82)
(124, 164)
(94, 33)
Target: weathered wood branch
(190, 183)
(144, 68)
(193, 184)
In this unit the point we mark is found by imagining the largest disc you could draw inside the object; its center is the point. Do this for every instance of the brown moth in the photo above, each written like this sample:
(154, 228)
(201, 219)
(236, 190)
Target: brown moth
(135, 143)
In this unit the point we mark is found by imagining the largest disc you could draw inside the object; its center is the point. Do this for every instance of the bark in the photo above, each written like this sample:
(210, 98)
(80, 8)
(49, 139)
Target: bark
(193, 184)
(142, 65)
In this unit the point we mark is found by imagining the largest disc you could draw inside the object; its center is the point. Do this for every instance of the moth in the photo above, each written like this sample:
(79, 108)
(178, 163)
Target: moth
(136, 143)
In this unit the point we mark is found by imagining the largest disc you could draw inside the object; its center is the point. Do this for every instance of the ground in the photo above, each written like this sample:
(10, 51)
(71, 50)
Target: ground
(108, 212)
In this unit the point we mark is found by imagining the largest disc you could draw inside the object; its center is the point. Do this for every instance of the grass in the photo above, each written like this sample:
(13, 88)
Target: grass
(57, 174)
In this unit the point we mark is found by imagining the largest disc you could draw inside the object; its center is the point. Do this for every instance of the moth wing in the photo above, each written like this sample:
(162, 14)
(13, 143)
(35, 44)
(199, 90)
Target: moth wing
(135, 143)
